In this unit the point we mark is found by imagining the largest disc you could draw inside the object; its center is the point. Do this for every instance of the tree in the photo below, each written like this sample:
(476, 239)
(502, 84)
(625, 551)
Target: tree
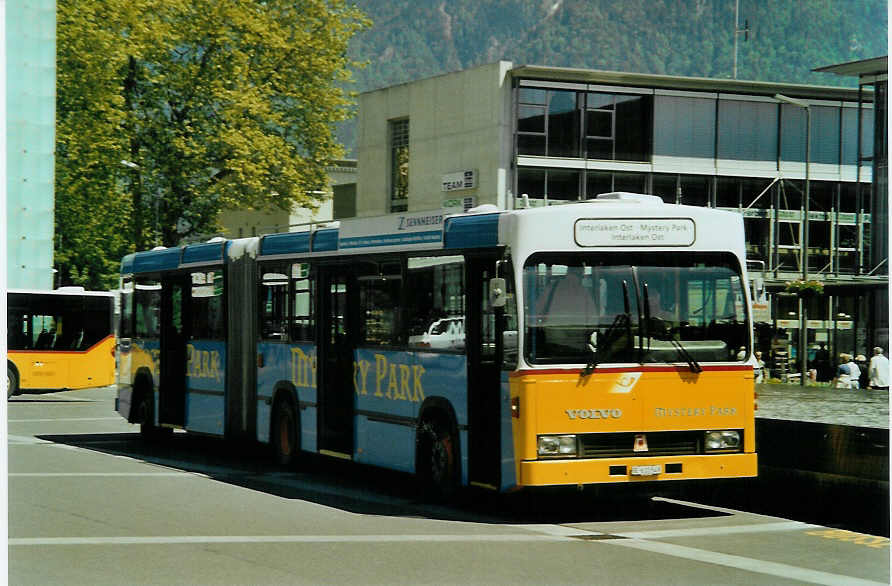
(170, 111)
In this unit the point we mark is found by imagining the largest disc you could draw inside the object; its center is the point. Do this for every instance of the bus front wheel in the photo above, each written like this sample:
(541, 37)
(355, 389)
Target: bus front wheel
(437, 461)
(284, 437)
(145, 416)
(12, 382)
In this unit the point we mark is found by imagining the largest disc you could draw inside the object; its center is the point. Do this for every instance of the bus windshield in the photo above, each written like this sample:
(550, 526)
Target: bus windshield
(634, 307)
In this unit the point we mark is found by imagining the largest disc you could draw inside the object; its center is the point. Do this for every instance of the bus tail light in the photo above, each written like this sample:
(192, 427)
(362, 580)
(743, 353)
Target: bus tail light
(515, 407)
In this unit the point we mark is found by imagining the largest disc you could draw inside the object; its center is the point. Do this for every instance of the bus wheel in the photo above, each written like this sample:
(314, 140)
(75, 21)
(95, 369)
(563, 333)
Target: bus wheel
(437, 462)
(12, 382)
(146, 418)
(284, 437)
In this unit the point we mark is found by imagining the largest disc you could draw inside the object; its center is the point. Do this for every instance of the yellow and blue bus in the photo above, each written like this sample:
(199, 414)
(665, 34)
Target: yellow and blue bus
(59, 340)
(601, 342)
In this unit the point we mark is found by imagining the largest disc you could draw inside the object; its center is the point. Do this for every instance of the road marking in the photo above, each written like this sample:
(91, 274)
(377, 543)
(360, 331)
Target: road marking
(852, 537)
(102, 474)
(66, 419)
(729, 530)
(164, 540)
(741, 563)
(555, 530)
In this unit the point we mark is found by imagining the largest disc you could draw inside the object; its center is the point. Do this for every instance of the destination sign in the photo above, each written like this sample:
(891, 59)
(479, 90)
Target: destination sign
(635, 232)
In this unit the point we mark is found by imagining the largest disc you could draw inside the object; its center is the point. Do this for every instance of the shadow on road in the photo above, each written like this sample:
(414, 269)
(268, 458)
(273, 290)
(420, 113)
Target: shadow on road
(374, 491)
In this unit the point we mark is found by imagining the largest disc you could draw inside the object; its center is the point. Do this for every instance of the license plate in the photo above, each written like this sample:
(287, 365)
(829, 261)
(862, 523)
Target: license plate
(646, 470)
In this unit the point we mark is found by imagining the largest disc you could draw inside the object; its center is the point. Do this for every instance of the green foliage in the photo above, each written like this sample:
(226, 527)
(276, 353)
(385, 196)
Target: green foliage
(214, 104)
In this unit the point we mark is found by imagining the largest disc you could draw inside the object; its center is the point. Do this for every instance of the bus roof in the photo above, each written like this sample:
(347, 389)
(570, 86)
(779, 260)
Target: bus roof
(611, 221)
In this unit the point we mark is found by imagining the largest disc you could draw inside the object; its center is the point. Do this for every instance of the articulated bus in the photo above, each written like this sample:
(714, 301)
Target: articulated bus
(601, 342)
(59, 340)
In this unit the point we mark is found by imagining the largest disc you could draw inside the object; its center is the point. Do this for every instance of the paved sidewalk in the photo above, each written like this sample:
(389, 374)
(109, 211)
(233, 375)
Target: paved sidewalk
(864, 408)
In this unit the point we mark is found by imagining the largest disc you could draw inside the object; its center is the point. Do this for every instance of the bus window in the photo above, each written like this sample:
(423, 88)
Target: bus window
(147, 309)
(379, 303)
(206, 307)
(273, 302)
(695, 299)
(435, 309)
(303, 324)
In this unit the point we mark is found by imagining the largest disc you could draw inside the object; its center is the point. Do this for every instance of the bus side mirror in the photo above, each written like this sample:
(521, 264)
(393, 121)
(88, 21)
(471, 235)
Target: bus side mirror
(498, 296)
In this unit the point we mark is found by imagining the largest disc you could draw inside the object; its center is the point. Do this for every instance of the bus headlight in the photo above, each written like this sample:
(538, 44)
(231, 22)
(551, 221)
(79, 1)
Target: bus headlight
(722, 441)
(557, 446)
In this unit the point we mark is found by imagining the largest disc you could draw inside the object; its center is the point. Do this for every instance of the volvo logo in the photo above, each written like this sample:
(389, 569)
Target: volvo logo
(594, 413)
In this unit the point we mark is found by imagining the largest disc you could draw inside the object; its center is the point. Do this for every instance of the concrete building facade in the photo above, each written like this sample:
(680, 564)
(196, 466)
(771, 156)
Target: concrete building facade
(516, 136)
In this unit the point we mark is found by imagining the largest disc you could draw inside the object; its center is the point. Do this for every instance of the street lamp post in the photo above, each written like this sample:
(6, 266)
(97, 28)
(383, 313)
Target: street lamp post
(803, 304)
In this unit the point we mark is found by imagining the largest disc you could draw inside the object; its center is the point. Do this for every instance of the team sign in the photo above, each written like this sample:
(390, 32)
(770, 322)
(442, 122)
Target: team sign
(635, 232)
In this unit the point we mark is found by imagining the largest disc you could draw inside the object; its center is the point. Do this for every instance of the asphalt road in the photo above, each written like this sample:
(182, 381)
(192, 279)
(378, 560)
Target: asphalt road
(89, 503)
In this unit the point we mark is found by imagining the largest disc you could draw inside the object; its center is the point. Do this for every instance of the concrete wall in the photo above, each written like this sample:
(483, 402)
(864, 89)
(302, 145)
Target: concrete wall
(30, 142)
(457, 121)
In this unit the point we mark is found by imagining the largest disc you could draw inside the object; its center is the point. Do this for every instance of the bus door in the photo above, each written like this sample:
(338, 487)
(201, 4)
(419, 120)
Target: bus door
(338, 306)
(484, 373)
(175, 292)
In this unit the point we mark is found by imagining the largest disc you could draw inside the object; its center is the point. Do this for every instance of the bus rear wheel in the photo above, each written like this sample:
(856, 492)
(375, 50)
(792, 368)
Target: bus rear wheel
(437, 461)
(12, 382)
(284, 434)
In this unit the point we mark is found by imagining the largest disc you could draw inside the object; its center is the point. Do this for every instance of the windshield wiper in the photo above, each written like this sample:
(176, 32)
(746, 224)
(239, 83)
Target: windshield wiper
(666, 334)
(622, 319)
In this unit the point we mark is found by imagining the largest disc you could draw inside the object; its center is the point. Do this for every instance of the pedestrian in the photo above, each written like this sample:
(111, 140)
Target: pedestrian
(879, 370)
(863, 378)
(854, 373)
(760, 367)
(842, 380)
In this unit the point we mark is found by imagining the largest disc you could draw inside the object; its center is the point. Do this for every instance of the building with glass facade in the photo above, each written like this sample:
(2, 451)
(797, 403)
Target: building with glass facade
(518, 136)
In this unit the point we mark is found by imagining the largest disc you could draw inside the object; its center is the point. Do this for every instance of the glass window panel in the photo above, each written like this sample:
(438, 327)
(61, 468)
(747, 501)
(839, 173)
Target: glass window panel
(825, 134)
(727, 193)
(599, 149)
(790, 194)
(563, 124)
(751, 189)
(147, 308)
(819, 246)
(665, 186)
(758, 243)
(596, 100)
(436, 308)
(597, 182)
(528, 95)
(696, 298)
(747, 130)
(848, 197)
(206, 306)
(531, 119)
(273, 302)
(631, 182)
(695, 190)
(530, 144)
(303, 309)
(379, 303)
(563, 185)
(633, 128)
(531, 182)
(599, 123)
(792, 133)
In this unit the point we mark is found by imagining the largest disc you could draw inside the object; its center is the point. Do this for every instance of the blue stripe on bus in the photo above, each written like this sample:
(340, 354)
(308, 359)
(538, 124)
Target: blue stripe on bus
(325, 240)
(431, 236)
(472, 231)
(156, 260)
(290, 242)
(205, 252)
(127, 264)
